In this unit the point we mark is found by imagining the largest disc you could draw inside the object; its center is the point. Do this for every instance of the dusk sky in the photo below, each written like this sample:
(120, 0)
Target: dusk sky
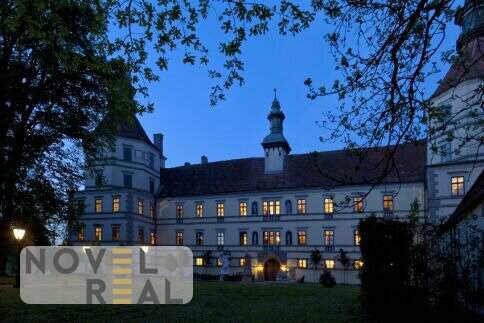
(235, 128)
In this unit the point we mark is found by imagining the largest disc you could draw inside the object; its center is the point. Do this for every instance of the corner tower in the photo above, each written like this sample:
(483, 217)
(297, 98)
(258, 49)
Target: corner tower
(276, 147)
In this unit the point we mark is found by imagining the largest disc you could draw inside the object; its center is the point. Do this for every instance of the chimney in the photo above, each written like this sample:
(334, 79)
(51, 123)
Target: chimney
(158, 140)
(187, 164)
(204, 160)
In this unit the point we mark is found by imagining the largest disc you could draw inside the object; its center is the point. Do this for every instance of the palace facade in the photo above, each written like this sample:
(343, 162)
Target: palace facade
(277, 208)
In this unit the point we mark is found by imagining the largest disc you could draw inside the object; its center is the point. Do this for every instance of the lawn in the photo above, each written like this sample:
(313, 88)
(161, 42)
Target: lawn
(212, 302)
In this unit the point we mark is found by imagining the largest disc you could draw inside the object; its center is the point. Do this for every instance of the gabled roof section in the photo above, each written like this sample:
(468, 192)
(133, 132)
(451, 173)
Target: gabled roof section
(302, 171)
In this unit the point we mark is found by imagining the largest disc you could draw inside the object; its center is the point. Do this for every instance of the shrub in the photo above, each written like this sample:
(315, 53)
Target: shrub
(205, 277)
(300, 280)
(233, 278)
(326, 279)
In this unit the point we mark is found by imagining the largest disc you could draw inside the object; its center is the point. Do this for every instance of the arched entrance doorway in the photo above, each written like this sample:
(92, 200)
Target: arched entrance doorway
(271, 268)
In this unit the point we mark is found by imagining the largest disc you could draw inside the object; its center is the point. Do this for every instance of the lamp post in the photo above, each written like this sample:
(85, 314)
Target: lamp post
(19, 235)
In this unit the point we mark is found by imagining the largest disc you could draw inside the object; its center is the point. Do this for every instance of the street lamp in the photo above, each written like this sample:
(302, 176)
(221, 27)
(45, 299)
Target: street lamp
(19, 234)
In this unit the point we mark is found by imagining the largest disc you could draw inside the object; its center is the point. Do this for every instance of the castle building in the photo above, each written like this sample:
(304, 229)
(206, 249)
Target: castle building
(274, 210)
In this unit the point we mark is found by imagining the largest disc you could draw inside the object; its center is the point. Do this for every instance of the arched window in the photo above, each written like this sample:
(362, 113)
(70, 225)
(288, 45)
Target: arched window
(288, 207)
(255, 209)
(288, 238)
(255, 238)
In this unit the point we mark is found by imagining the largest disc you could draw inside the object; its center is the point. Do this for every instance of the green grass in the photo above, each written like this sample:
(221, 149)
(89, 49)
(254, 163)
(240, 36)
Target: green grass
(212, 302)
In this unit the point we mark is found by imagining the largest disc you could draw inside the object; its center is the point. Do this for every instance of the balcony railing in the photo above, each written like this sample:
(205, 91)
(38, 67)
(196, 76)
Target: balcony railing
(271, 217)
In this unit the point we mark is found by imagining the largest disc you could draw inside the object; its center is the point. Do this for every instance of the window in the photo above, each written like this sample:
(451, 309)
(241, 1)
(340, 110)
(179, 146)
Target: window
(288, 238)
(272, 238)
(141, 234)
(255, 238)
(141, 207)
(445, 153)
(358, 204)
(98, 205)
(98, 178)
(243, 238)
(357, 238)
(152, 238)
(152, 186)
(151, 160)
(301, 237)
(255, 208)
(116, 204)
(80, 206)
(288, 207)
(198, 261)
(199, 238)
(199, 210)
(219, 262)
(457, 185)
(220, 238)
(243, 208)
(152, 211)
(271, 207)
(179, 211)
(128, 180)
(116, 232)
(179, 238)
(301, 206)
(242, 262)
(98, 233)
(302, 263)
(127, 154)
(358, 264)
(388, 203)
(328, 239)
(328, 205)
(220, 209)
(329, 264)
(81, 232)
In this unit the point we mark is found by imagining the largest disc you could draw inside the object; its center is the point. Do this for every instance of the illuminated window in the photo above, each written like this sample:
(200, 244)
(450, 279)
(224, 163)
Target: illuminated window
(220, 238)
(152, 238)
(243, 238)
(141, 234)
(357, 238)
(198, 261)
(98, 233)
(272, 237)
(81, 232)
(199, 238)
(242, 262)
(457, 185)
(301, 238)
(328, 239)
(179, 238)
(116, 232)
(219, 262)
(199, 210)
(358, 264)
(220, 209)
(358, 204)
(116, 204)
(328, 205)
(243, 208)
(98, 205)
(179, 211)
(272, 207)
(141, 207)
(152, 211)
(302, 263)
(301, 206)
(329, 264)
(388, 203)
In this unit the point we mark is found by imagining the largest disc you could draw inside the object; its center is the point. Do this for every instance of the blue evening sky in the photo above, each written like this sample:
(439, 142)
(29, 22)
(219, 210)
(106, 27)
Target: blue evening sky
(235, 128)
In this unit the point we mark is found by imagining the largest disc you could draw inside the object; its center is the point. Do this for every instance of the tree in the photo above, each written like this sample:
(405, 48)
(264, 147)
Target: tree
(344, 260)
(315, 258)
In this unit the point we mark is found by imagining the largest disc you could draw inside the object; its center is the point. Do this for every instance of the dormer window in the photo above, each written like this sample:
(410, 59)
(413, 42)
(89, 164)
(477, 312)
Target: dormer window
(127, 153)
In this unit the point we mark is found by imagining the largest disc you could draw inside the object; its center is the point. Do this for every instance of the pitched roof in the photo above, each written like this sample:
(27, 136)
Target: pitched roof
(314, 170)
(473, 197)
(469, 66)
